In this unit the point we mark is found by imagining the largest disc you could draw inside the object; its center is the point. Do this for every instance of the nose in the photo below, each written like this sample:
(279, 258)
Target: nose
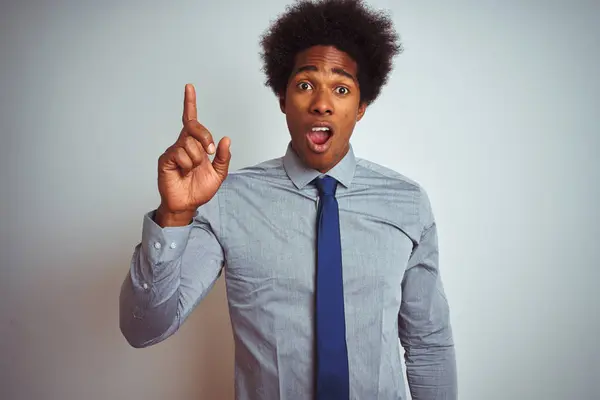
(321, 104)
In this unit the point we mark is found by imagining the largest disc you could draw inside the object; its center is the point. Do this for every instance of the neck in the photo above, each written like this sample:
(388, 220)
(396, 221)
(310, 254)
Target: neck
(339, 158)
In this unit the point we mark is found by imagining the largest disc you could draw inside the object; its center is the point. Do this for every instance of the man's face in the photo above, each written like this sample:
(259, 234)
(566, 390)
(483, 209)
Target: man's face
(322, 105)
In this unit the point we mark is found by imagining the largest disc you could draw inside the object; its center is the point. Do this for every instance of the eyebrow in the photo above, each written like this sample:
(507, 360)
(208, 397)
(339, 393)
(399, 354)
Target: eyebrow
(337, 71)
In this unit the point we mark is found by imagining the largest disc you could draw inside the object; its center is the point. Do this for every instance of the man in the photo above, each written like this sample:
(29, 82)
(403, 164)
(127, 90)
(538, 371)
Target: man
(328, 259)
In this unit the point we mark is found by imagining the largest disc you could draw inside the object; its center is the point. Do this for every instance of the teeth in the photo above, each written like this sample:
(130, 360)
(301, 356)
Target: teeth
(324, 129)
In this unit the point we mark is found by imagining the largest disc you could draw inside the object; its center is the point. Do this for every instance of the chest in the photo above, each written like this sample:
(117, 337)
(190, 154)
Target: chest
(274, 246)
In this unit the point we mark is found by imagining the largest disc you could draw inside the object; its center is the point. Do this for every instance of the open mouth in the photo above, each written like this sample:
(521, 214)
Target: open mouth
(319, 137)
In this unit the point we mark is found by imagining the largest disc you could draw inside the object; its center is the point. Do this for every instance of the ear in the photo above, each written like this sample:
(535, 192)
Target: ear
(362, 108)
(282, 103)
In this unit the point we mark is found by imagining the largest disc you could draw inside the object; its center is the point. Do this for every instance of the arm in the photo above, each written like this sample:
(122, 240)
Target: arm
(171, 270)
(424, 321)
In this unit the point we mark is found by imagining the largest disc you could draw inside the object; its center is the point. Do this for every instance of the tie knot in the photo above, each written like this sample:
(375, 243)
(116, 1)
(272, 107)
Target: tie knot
(326, 185)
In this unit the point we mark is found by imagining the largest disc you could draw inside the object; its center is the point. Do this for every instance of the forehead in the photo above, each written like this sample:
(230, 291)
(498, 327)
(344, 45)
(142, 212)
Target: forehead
(325, 58)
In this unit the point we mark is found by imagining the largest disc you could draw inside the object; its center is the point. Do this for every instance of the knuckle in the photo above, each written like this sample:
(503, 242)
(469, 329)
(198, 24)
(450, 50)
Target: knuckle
(167, 153)
(181, 154)
(185, 162)
(177, 149)
(189, 124)
(188, 142)
(200, 133)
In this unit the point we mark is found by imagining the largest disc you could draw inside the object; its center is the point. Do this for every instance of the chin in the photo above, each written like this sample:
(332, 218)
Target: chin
(320, 162)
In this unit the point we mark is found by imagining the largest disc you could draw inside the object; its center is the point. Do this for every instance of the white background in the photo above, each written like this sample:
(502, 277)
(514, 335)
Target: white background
(493, 107)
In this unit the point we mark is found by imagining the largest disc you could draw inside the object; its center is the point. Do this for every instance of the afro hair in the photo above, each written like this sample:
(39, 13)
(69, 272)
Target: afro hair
(349, 25)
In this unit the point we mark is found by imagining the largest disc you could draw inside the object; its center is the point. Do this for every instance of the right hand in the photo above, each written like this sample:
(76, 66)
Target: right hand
(186, 177)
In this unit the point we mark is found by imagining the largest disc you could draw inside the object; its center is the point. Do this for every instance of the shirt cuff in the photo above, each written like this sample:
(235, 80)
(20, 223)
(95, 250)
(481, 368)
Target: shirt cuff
(163, 244)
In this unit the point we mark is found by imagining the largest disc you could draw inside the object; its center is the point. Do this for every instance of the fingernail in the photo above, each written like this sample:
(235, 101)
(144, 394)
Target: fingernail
(211, 148)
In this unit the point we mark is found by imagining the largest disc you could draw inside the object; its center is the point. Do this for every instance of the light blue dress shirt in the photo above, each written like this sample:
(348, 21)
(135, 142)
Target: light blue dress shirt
(260, 232)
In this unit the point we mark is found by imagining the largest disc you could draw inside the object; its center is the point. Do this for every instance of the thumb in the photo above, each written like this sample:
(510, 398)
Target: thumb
(222, 157)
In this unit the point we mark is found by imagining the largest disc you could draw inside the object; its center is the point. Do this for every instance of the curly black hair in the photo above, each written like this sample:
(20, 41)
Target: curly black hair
(349, 25)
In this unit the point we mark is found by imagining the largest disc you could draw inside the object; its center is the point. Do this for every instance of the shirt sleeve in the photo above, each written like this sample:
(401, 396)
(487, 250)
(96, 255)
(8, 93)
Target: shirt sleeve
(424, 319)
(172, 269)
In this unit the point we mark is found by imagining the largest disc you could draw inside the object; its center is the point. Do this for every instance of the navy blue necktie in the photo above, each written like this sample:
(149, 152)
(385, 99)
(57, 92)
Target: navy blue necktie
(332, 355)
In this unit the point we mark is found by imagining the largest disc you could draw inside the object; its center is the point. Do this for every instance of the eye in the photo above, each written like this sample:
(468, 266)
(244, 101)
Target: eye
(342, 90)
(304, 86)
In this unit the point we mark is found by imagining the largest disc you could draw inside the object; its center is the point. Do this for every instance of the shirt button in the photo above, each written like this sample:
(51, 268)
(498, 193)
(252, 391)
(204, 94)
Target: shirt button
(173, 245)
(157, 245)
(145, 286)
(138, 313)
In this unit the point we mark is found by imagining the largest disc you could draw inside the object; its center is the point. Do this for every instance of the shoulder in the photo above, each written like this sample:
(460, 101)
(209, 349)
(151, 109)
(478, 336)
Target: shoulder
(246, 183)
(266, 171)
(255, 180)
(401, 187)
(265, 167)
(372, 168)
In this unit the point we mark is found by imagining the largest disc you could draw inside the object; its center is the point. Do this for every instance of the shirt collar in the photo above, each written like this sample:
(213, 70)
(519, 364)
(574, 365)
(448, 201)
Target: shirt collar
(301, 175)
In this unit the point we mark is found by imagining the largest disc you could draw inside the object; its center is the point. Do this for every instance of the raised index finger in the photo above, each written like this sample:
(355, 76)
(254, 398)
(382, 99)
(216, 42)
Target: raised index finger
(189, 104)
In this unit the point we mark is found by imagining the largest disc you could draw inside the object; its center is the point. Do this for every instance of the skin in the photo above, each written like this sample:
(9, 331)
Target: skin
(323, 87)
(186, 176)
